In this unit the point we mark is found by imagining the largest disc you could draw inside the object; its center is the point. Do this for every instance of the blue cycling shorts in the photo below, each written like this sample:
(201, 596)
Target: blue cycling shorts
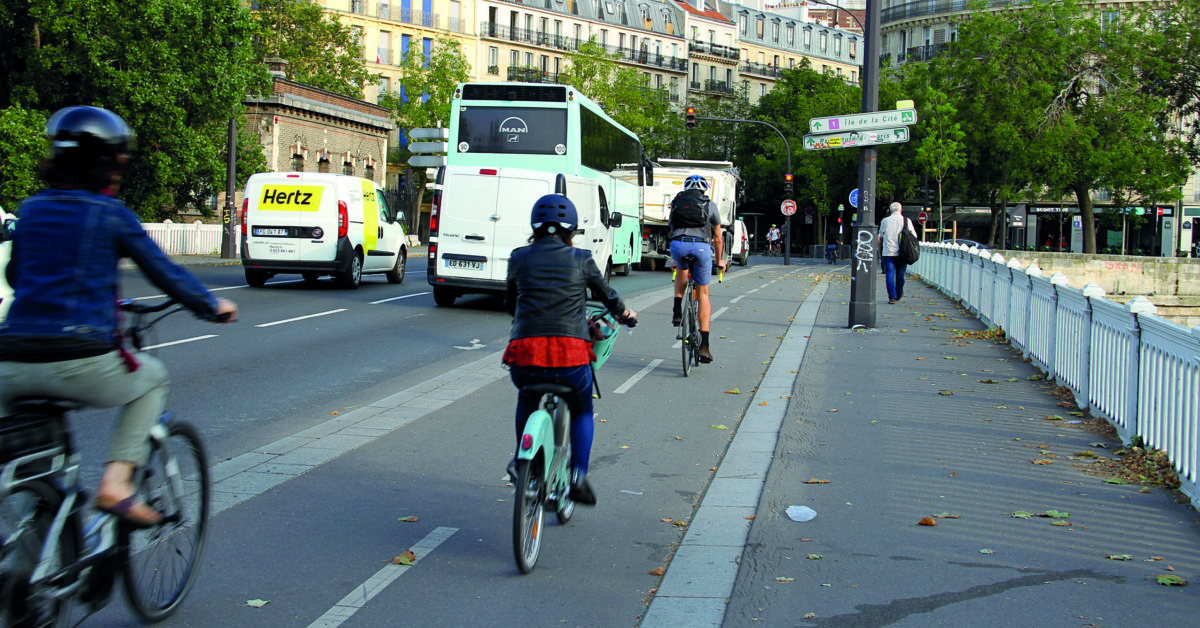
(702, 274)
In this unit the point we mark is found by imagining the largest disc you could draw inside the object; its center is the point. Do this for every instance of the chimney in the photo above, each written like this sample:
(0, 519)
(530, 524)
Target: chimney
(276, 67)
(804, 12)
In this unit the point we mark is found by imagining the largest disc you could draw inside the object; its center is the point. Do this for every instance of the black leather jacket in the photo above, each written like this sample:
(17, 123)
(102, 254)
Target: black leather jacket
(547, 290)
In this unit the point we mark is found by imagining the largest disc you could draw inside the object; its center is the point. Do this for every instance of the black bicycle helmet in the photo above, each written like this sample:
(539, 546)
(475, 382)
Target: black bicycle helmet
(88, 136)
(554, 208)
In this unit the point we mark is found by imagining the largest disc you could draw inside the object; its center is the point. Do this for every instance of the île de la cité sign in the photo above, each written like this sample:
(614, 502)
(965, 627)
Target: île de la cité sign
(860, 121)
(852, 139)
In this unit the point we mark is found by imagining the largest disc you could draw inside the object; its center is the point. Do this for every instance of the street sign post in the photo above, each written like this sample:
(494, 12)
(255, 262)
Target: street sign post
(427, 151)
(788, 207)
(863, 121)
(922, 217)
(429, 134)
(857, 139)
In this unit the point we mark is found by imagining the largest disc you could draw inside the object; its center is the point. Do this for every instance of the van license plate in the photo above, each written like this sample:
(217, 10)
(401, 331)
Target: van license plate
(260, 231)
(462, 263)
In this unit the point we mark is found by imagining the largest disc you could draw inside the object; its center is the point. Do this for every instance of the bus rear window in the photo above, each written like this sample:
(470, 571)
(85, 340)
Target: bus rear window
(512, 131)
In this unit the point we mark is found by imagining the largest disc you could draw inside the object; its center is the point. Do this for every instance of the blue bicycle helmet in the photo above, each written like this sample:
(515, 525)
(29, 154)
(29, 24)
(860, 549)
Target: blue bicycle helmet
(554, 208)
(695, 182)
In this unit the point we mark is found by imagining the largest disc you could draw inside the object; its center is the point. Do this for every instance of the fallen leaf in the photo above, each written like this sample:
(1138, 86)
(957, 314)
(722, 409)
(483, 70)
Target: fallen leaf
(1115, 481)
(1172, 581)
(735, 391)
(680, 524)
(927, 521)
(783, 579)
(1062, 523)
(814, 557)
(1054, 514)
(816, 481)
(1154, 558)
(1119, 557)
(408, 519)
(946, 515)
(719, 427)
(809, 615)
(256, 603)
(624, 447)
(945, 393)
(334, 412)
(407, 558)
(658, 571)
(763, 403)
(987, 551)
(667, 520)
(832, 410)
(1021, 514)
(1042, 461)
(750, 518)
(949, 357)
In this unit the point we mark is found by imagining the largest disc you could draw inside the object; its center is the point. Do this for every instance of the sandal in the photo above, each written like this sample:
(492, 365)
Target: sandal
(123, 510)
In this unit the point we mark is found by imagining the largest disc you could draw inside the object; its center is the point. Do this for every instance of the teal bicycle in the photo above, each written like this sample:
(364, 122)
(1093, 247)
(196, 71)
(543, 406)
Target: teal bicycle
(544, 454)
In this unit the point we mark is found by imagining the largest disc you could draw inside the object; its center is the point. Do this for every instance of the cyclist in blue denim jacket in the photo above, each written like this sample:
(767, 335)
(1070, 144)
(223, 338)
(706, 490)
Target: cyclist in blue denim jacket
(61, 336)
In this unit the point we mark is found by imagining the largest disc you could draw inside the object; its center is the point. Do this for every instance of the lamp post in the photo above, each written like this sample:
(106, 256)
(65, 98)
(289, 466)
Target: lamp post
(866, 233)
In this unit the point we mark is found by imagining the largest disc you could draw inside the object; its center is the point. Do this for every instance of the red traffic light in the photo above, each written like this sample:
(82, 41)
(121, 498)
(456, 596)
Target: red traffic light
(690, 118)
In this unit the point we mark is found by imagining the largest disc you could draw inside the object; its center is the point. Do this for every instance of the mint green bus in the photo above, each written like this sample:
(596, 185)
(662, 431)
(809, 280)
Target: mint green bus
(555, 129)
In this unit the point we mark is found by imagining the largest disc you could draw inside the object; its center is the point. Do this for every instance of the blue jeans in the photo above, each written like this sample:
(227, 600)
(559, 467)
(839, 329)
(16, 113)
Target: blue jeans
(894, 270)
(579, 379)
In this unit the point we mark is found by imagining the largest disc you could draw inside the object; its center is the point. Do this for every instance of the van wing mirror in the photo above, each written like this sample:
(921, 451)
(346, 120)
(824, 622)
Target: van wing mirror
(614, 220)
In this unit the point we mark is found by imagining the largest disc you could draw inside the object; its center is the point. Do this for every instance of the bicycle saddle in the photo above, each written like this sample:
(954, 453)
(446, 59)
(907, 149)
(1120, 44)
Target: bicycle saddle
(551, 389)
(44, 405)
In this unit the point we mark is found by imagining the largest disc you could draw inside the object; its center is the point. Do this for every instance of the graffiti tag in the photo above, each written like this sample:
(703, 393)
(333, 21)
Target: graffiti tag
(865, 251)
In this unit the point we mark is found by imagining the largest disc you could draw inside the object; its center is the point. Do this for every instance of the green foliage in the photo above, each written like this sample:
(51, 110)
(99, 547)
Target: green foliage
(422, 96)
(176, 70)
(319, 49)
(941, 150)
(23, 146)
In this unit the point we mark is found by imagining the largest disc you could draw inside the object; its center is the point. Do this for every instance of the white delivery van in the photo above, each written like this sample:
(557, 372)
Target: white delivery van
(480, 215)
(317, 224)
(739, 251)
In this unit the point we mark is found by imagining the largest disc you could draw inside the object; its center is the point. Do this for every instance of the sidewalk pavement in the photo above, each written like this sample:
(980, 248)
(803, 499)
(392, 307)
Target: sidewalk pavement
(952, 486)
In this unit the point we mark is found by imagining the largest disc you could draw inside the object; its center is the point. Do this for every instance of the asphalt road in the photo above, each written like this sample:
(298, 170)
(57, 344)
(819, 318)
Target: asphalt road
(302, 357)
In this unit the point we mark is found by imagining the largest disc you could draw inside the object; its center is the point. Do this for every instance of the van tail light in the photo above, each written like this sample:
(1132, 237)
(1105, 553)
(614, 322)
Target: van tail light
(245, 207)
(435, 207)
(343, 219)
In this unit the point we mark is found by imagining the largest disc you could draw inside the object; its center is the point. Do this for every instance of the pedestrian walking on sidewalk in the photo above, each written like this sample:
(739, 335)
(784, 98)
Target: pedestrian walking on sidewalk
(889, 244)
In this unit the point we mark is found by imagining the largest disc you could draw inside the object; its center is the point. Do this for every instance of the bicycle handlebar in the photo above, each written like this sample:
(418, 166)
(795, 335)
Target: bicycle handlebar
(128, 305)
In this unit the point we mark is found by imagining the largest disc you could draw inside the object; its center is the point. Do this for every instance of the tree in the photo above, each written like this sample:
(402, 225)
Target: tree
(1074, 88)
(176, 70)
(22, 144)
(941, 150)
(319, 49)
(422, 97)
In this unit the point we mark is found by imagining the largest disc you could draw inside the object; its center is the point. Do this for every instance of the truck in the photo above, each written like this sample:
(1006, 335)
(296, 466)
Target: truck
(480, 214)
(669, 174)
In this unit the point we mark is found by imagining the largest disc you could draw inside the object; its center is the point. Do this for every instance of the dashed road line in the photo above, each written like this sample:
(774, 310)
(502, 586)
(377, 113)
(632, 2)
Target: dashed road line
(363, 593)
(637, 377)
(406, 296)
(179, 342)
(300, 318)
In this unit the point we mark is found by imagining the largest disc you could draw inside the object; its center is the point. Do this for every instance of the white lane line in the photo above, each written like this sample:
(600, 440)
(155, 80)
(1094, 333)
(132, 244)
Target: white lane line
(752, 291)
(637, 377)
(407, 296)
(715, 316)
(300, 318)
(178, 342)
(358, 598)
(737, 298)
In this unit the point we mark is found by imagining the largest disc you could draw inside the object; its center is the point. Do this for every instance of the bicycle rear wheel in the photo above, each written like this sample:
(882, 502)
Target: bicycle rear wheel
(26, 515)
(529, 507)
(164, 560)
(685, 329)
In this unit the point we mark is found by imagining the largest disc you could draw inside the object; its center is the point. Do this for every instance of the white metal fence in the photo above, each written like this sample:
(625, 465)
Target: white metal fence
(194, 238)
(1122, 362)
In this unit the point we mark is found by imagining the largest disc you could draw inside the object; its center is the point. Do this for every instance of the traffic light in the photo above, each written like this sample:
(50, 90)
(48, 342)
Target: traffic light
(691, 118)
(787, 185)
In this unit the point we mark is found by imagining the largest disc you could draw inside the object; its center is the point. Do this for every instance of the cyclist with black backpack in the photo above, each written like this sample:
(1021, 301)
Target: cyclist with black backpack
(695, 228)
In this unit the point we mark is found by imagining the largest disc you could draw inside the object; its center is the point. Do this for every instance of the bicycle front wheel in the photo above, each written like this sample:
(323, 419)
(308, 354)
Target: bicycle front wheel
(26, 515)
(164, 560)
(529, 507)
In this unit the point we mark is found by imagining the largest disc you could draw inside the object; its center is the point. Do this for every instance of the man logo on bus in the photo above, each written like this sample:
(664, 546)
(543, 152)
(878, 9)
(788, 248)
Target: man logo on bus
(514, 127)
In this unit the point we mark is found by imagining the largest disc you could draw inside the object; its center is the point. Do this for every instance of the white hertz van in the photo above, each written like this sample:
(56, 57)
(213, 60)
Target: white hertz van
(481, 214)
(317, 224)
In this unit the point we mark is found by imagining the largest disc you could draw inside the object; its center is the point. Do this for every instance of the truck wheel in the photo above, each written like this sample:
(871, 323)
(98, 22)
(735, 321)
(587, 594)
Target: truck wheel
(351, 279)
(256, 277)
(443, 296)
(396, 274)
(649, 264)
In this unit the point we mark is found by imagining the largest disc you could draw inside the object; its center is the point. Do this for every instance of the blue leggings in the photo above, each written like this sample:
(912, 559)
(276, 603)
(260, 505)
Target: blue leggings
(579, 379)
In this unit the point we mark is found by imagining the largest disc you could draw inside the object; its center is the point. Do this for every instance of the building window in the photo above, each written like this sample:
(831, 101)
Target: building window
(762, 90)
(837, 46)
(807, 38)
(297, 162)
(743, 22)
(385, 84)
(758, 28)
(514, 59)
(348, 168)
(791, 35)
(824, 42)
(854, 49)
(853, 76)
(775, 32)
(323, 164)
(369, 172)
(776, 61)
(358, 6)
(529, 59)
(493, 60)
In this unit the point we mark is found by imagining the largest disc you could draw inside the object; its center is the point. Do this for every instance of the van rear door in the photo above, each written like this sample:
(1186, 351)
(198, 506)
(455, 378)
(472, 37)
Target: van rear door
(484, 215)
(278, 207)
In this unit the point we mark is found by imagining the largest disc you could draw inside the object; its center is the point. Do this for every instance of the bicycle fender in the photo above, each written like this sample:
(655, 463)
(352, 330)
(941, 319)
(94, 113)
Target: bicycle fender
(539, 427)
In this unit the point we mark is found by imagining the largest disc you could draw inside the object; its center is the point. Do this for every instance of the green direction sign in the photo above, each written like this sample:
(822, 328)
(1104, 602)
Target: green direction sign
(856, 139)
(860, 121)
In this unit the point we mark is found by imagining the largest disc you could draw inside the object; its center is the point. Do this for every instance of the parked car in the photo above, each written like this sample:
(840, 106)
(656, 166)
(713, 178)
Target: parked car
(970, 243)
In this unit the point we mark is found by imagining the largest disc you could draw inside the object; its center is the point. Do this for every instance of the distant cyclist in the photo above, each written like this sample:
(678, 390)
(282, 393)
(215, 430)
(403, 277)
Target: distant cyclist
(61, 335)
(831, 248)
(695, 228)
(548, 283)
(773, 240)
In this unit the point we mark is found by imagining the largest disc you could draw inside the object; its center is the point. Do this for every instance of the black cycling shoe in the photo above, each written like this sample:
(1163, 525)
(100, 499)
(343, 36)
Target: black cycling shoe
(511, 469)
(581, 490)
(676, 319)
